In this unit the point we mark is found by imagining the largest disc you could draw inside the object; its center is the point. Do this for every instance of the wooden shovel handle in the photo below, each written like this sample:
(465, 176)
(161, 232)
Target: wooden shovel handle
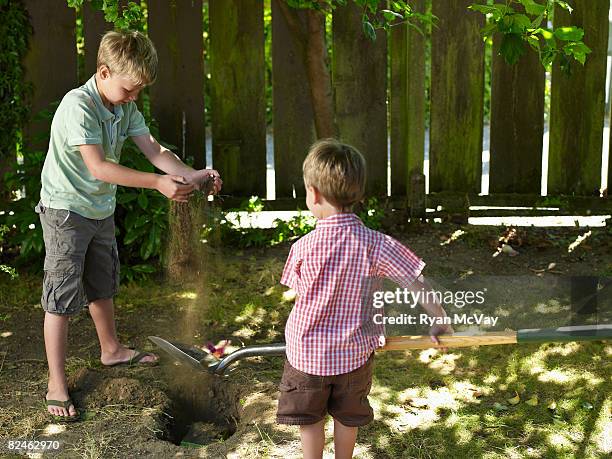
(399, 343)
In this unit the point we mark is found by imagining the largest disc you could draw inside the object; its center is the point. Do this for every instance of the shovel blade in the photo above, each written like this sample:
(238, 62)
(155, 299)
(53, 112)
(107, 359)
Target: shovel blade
(187, 355)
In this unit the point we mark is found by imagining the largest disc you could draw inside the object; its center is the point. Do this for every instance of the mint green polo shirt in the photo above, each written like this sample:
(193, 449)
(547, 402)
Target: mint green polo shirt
(82, 119)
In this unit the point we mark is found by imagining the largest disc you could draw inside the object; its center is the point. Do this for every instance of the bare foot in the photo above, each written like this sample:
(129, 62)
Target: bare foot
(124, 354)
(60, 394)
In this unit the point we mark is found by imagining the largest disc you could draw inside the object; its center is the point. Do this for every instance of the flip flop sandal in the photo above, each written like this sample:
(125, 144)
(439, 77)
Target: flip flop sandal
(136, 360)
(63, 404)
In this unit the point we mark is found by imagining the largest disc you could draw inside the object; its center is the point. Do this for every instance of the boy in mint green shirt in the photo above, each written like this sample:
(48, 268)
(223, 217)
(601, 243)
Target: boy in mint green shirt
(77, 202)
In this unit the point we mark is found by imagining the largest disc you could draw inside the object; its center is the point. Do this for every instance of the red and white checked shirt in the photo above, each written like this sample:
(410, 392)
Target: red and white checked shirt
(327, 268)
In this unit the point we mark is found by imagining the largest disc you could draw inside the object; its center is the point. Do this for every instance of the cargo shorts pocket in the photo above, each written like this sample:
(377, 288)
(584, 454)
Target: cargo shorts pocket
(62, 286)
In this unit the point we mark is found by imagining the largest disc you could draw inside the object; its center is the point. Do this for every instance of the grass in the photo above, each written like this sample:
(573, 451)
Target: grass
(430, 404)
(427, 404)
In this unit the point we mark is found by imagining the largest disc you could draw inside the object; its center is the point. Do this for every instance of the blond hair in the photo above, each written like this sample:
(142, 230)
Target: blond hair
(337, 170)
(129, 53)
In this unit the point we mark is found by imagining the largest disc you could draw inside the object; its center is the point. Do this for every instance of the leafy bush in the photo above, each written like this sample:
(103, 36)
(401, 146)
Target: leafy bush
(23, 183)
(371, 213)
(5, 268)
(218, 231)
(15, 30)
(141, 220)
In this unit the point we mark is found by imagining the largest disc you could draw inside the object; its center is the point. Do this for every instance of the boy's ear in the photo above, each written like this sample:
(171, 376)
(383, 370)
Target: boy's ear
(316, 194)
(104, 71)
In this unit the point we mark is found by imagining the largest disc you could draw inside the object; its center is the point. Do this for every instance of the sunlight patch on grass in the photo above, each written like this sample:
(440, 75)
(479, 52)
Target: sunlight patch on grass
(603, 433)
(54, 429)
(401, 420)
(426, 355)
(289, 296)
(559, 441)
(462, 426)
(566, 376)
(244, 333)
(553, 306)
(445, 364)
(251, 314)
(564, 349)
(187, 295)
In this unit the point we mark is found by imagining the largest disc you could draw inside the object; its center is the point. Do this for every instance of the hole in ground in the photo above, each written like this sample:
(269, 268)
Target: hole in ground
(204, 409)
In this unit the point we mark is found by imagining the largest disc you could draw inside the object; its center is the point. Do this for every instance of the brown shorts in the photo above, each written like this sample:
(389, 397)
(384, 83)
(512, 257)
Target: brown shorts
(81, 260)
(306, 399)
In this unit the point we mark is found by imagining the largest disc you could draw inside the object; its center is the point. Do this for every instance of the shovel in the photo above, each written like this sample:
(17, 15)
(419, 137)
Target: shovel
(201, 361)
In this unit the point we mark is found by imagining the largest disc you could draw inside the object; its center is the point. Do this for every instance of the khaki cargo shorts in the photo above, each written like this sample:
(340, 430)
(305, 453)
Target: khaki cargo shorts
(81, 260)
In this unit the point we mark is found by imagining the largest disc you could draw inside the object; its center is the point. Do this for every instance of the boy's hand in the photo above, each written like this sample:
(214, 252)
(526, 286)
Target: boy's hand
(437, 330)
(206, 180)
(175, 187)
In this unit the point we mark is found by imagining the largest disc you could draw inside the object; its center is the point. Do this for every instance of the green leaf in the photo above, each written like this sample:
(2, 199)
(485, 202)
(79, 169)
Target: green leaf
(146, 250)
(130, 220)
(548, 54)
(368, 29)
(485, 9)
(143, 202)
(142, 220)
(569, 33)
(497, 11)
(144, 268)
(134, 235)
(488, 30)
(564, 5)
(499, 407)
(391, 15)
(578, 50)
(124, 198)
(512, 48)
(533, 42)
(532, 7)
(546, 34)
(520, 23)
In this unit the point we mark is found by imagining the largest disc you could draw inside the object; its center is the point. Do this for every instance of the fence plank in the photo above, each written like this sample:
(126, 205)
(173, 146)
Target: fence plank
(94, 27)
(578, 104)
(457, 98)
(238, 94)
(406, 103)
(517, 123)
(177, 97)
(53, 35)
(294, 127)
(359, 76)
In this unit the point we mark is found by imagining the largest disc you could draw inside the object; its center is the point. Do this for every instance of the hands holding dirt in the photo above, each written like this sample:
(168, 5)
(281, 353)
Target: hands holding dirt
(206, 180)
(179, 188)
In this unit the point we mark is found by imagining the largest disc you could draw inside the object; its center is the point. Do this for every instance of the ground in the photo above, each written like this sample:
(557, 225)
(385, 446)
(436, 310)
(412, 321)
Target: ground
(427, 403)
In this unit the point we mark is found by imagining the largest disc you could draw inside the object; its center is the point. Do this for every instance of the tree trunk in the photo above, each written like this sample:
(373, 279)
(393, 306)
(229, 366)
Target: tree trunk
(314, 54)
(319, 76)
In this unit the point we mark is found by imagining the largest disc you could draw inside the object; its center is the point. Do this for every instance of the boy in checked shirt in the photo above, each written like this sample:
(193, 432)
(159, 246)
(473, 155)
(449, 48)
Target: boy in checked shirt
(329, 354)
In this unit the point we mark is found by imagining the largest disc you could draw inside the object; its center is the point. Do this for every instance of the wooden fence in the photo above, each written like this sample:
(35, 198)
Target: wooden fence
(371, 107)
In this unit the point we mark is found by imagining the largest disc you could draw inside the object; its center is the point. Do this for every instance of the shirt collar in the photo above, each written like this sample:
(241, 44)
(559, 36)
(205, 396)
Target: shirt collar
(338, 220)
(104, 112)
